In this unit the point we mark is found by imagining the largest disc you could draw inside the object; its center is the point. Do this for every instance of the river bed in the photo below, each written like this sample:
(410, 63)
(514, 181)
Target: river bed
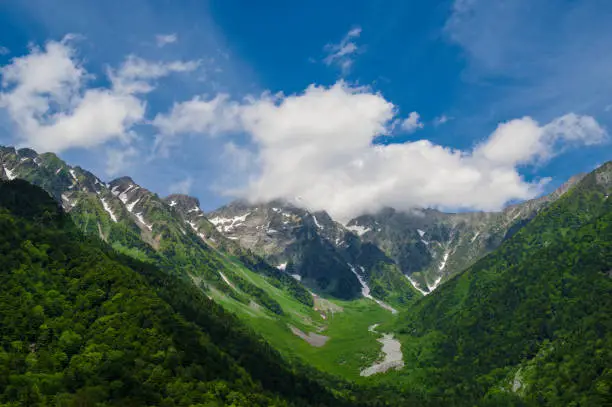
(393, 358)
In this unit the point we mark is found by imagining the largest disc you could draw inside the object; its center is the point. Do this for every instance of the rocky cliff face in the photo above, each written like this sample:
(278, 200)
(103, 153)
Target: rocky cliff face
(315, 249)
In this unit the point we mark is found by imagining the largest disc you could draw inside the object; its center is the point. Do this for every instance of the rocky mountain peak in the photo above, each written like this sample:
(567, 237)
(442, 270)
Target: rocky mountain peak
(319, 251)
(27, 153)
(124, 180)
(183, 202)
(7, 150)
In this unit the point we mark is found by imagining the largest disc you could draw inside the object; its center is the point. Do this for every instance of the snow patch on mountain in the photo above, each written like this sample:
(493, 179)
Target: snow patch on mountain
(416, 285)
(193, 225)
(142, 220)
(444, 259)
(365, 290)
(9, 173)
(130, 206)
(123, 195)
(108, 210)
(359, 230)
(435, 284)
(314, 218)
(67, 204)
(227, 224)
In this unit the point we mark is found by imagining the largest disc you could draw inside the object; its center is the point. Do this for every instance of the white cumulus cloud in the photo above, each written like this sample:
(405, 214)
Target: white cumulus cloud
(318, 145)
(198, 115)
(45, 93)
(524, 141)
(136, 74)
(412, 123)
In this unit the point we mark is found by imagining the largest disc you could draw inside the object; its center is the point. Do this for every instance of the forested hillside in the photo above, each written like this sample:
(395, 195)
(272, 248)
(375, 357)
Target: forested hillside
(82, 325)
(531, 319)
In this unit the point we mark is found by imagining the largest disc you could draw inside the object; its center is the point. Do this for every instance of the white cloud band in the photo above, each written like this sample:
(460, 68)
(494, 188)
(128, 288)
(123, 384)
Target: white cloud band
(318, 145)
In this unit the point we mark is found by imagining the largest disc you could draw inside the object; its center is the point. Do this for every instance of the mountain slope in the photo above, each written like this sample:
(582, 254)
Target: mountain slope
(532, 317)
(188, 208)
(429, 246)
(138, 223)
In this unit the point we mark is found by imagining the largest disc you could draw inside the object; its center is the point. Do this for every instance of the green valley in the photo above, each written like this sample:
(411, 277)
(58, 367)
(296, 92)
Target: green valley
(341, 325)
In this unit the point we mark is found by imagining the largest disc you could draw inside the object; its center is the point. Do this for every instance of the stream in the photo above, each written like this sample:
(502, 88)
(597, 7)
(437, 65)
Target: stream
(392, 350)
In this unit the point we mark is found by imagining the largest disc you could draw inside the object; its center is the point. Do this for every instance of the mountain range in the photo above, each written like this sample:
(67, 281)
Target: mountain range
(425, 245)
(485, 305)
(391, 255)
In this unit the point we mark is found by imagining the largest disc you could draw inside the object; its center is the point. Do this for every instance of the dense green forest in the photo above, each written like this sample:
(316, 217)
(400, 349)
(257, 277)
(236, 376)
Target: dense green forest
(531, 319)
(82, 325)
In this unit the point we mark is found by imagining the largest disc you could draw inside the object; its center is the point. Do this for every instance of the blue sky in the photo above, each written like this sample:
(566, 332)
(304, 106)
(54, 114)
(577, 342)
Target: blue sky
(350, 73)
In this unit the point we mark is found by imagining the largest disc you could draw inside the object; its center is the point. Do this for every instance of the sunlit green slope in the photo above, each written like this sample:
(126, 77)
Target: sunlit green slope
(530, 321)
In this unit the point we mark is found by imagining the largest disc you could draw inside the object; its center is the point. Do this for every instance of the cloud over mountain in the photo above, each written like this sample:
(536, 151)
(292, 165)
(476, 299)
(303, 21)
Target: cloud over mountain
(319, 145)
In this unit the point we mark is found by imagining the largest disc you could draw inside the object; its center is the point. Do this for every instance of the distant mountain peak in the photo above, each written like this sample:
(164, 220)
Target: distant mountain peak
(183, 201)
(122, 180)
(27, 152)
